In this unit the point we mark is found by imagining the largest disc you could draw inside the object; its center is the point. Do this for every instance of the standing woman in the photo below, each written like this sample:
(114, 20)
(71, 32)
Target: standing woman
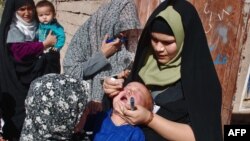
(173, 60)
(21, 61)
(90, 58)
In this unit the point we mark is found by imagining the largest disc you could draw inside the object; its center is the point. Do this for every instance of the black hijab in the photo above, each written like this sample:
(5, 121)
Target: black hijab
(15, 77)
(13, 91)
(8, 79)
(201, 86)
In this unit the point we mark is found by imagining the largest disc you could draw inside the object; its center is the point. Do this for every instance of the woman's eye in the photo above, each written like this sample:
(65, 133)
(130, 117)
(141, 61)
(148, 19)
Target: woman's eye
(167, 42)
(21, 9)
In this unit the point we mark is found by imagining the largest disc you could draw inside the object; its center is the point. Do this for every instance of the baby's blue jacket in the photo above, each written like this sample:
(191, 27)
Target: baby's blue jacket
(57, 30)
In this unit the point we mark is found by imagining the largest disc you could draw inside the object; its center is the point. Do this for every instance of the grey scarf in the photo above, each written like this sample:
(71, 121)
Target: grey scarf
(27, 29)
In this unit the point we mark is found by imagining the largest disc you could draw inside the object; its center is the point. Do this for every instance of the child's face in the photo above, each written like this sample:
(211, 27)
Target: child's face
(45, 14)
(133, 89)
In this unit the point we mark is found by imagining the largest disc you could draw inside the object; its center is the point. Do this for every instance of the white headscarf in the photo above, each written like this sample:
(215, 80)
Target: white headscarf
(28, 29)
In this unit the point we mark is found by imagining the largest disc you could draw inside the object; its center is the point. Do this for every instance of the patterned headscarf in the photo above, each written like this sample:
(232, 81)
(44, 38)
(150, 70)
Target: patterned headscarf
(54, 107)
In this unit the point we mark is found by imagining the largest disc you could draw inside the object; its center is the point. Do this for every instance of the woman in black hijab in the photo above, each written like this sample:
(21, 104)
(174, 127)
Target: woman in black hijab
(21, 61)
(173, 60)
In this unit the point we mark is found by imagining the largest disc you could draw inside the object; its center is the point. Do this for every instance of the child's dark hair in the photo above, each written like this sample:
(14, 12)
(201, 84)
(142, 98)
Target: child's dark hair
(43, 3)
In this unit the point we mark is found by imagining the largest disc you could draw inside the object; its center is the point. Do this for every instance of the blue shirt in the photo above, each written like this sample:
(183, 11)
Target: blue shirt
(108, 131)
(56, 29)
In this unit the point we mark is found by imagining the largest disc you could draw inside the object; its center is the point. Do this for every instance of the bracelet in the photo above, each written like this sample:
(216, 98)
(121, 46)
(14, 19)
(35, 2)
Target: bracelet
(150, 118)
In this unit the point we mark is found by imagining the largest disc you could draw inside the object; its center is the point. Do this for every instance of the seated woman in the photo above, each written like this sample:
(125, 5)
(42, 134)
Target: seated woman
(54, 107)
(22, 60)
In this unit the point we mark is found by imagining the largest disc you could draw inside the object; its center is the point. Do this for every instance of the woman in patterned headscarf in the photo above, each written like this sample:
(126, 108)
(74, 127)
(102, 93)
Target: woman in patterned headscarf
(173, 60)
(54, 107)
(21, 61)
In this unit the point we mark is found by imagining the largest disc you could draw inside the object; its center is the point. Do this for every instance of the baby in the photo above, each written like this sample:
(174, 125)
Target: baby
(111, 126)
(46, 15)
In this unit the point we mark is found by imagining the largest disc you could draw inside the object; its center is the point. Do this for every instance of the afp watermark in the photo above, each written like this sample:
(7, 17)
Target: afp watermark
(237, 132)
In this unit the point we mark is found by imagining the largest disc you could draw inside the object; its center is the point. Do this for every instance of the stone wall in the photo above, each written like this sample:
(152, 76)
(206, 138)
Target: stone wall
(73, 13)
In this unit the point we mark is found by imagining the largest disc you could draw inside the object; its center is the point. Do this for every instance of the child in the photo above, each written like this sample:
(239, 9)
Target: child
(112, 126)
(46, 15)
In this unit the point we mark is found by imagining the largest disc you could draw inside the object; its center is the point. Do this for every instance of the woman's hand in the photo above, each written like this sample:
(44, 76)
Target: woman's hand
(159, 124)
(140, 115)
(124, 74)
(108, 49)
(112, 86)
(49, 41)
(118, 108)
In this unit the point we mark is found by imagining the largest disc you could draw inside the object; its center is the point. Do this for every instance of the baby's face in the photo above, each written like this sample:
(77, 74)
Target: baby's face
(45, 14)
(133, 89)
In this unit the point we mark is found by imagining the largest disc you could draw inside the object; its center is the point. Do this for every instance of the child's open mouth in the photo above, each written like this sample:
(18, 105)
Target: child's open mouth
(124, 99)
